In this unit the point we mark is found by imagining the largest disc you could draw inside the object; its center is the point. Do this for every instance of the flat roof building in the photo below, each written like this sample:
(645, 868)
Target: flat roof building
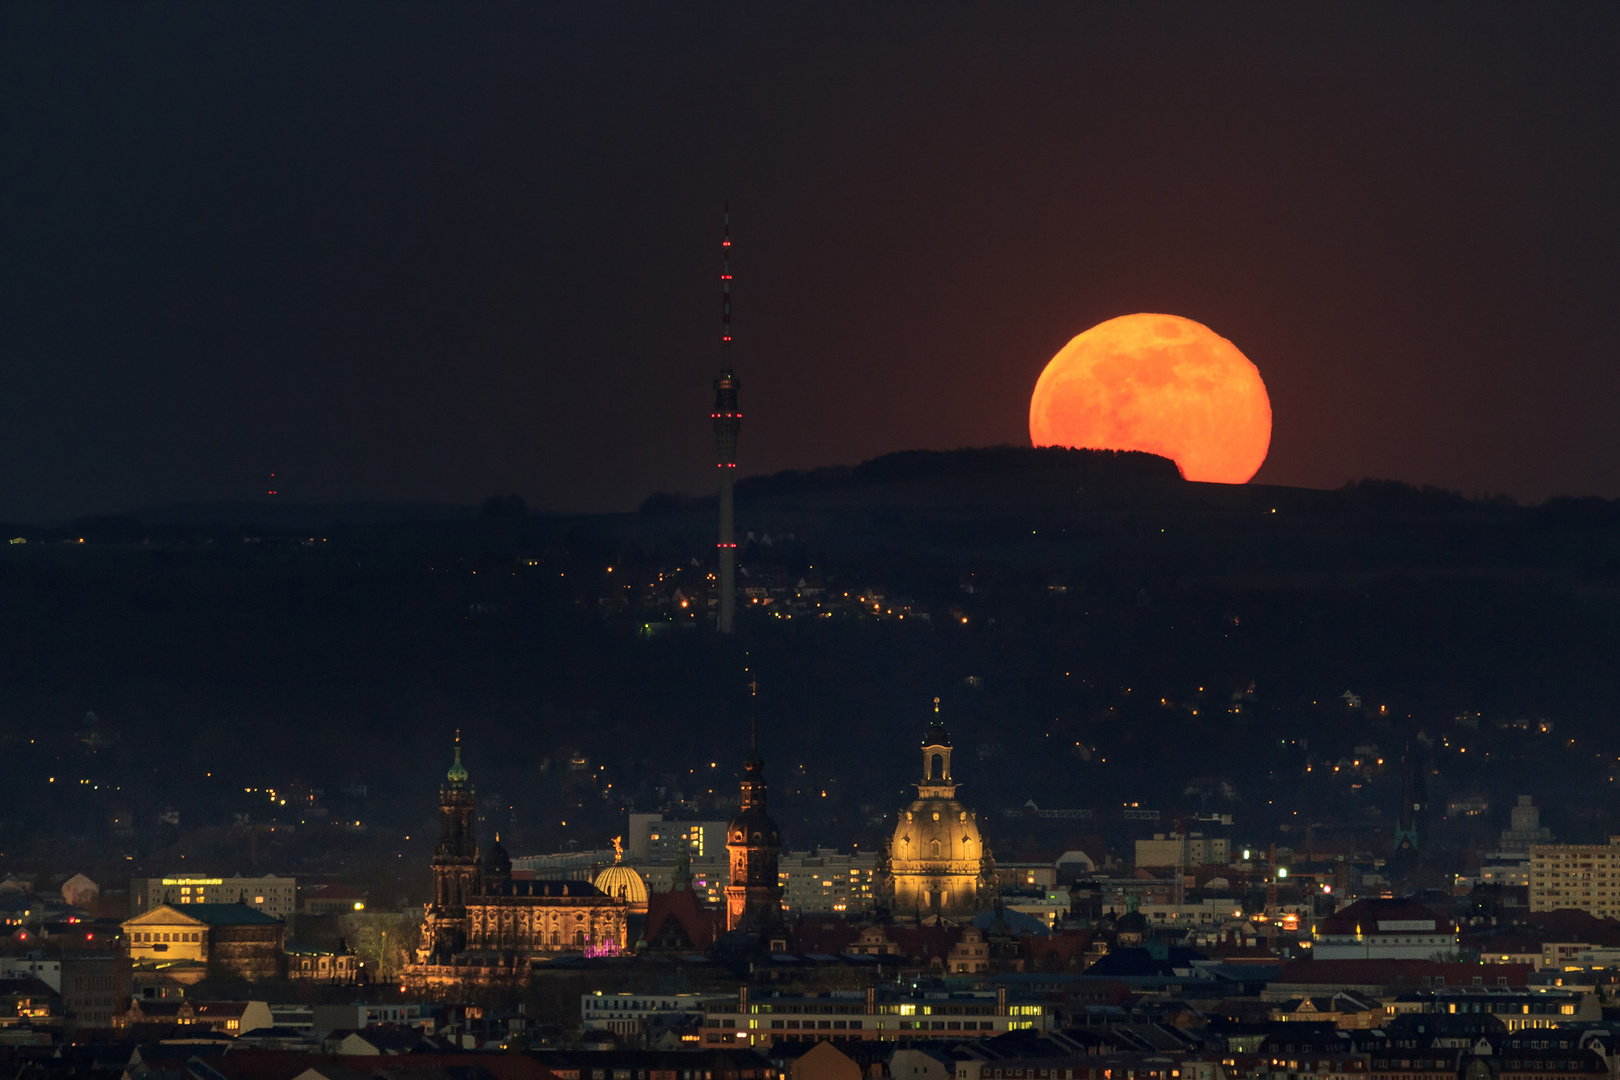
(275, 896)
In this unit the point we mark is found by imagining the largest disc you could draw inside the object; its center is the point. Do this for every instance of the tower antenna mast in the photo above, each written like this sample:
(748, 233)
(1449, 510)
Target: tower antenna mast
(727, 419)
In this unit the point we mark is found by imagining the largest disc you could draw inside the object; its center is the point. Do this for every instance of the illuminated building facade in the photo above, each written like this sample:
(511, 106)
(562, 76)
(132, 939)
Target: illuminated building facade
(234, 937)
(622, 882)
(1585, 877)
(939, 867)
(485, 928)
(275, 896)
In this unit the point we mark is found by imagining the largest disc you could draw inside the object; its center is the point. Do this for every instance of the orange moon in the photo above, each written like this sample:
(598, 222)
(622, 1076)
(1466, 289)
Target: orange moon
(1158, 383)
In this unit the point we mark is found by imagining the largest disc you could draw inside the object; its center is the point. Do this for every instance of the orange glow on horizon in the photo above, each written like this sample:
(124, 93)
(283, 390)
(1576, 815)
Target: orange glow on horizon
(1158, 383)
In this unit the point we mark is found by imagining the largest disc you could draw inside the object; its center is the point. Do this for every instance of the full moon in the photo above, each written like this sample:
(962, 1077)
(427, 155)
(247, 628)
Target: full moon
(1158, 383)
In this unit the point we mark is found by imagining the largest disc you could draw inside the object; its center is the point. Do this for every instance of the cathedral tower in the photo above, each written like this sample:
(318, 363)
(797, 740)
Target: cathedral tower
(754, 897)
(727, 419)
(455, 859)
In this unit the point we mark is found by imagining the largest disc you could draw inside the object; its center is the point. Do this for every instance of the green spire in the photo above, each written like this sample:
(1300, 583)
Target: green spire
(458, 771)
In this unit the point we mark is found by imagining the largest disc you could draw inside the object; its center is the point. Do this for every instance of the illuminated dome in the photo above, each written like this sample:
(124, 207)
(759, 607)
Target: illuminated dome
(938, 864)
(937, 831)
(622, 882)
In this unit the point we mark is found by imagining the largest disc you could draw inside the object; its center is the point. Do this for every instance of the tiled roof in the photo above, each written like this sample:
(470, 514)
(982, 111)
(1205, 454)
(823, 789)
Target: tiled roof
(1364, 917)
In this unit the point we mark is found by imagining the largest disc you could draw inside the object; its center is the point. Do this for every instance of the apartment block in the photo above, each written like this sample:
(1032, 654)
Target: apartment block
(1585, 877)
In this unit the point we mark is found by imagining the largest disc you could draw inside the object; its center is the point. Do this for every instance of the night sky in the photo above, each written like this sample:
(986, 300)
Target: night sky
(434, 252)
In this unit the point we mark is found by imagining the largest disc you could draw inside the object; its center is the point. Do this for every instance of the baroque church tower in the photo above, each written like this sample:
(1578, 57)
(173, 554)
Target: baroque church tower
(754, 897)
(455, 859)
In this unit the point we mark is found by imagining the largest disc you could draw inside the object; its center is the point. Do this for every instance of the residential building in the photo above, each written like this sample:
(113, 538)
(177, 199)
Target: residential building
(224, 1017)
(32, 966)
(916, 1063)
(888, 1013)
(658, 837)
(275, 896)
(629, 1014)
(355, 1016)
(1026, 875)
(1388, 978)
(1191, 849)
(706, 1064)
(1517, 1009)
(1505, 868)
(96, 988)
(1343, 1010)
(1585, 877)
(820, 882)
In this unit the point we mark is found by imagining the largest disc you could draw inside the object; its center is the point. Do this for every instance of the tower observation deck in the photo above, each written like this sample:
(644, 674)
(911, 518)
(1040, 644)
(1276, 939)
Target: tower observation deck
(727, 418)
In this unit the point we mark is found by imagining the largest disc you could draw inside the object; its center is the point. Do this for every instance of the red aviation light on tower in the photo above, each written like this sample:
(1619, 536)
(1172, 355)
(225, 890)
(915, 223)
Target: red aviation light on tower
(727, 420)
(727, 417)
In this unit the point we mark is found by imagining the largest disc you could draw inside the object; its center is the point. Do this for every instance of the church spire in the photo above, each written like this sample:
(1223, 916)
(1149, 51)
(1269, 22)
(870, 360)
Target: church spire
(753, 719)
(754, 897)
(457, 776)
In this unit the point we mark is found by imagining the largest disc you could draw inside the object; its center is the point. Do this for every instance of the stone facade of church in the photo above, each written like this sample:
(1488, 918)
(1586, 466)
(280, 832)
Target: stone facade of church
(484, 928)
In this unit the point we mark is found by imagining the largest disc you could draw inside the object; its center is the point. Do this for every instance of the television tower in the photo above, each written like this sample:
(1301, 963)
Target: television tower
(727, 422)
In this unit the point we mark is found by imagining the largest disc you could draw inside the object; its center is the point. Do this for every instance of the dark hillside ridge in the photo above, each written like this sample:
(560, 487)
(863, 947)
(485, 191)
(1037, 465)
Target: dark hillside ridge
(904, 465)
(1013, 479)
(928, 474)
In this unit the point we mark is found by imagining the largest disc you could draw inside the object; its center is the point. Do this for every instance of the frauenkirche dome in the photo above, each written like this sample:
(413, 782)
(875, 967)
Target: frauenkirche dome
(938, 864)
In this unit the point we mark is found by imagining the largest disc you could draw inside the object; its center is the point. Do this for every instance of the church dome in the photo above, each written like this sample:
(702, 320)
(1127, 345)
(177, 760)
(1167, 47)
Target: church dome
(937, 862)
(623, 883)
(936, 830)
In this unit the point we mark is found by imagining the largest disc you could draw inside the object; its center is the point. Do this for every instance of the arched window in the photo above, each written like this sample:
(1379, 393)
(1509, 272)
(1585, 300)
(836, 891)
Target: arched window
(936, 767)
(579, 937)
(935, 847)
